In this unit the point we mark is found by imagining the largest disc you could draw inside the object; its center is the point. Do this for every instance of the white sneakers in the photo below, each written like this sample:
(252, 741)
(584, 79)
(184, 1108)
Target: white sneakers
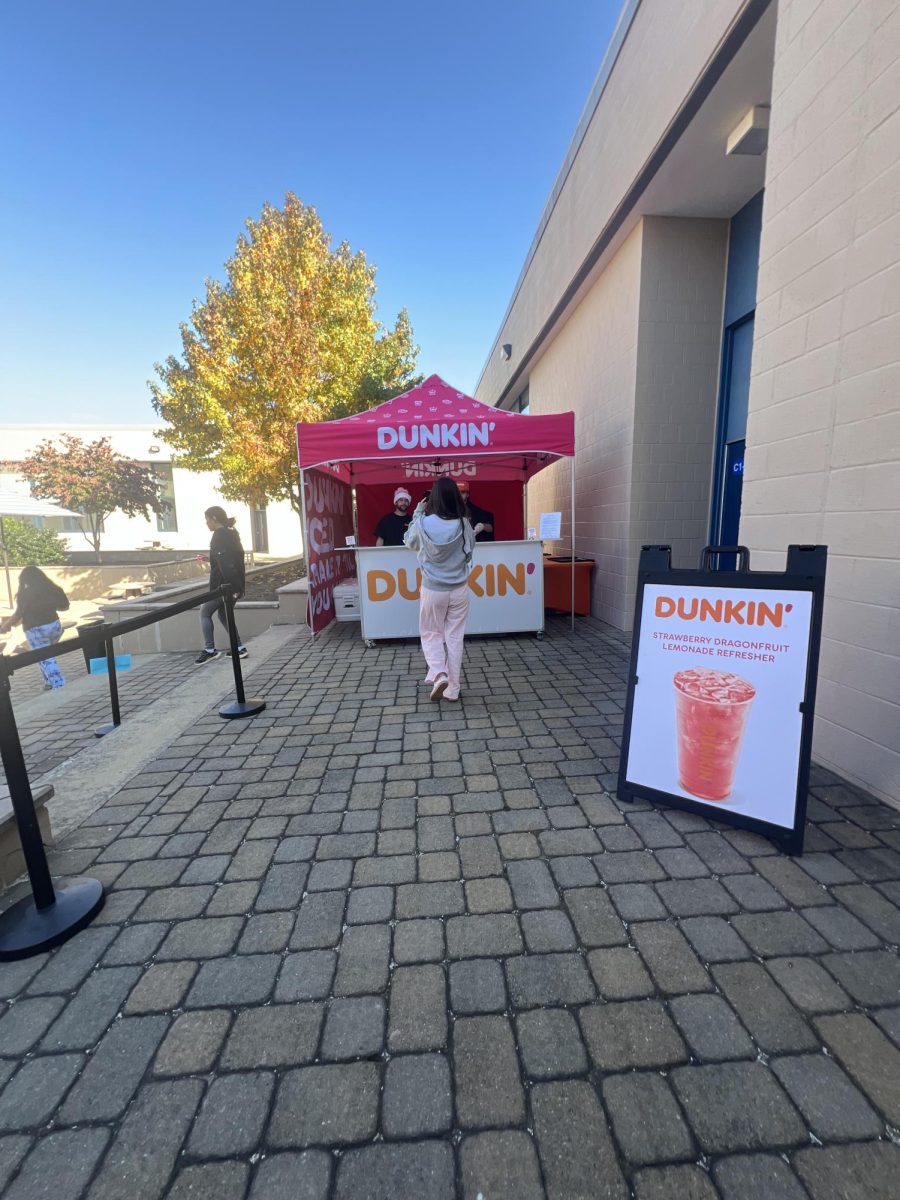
(440, 686)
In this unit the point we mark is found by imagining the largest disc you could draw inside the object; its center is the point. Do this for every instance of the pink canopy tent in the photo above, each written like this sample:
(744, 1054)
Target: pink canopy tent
(435, 423)
(431, 430)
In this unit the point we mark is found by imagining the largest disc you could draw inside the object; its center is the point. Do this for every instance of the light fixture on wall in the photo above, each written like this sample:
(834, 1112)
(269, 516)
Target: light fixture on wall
(751, 134)
(154, 449)
(506, 351)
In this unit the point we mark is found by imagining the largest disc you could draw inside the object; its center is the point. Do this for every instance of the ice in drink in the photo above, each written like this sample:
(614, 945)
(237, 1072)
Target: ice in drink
(711, 709)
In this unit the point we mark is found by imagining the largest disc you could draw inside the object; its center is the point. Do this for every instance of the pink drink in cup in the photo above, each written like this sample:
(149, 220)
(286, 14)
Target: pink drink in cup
(711, 709)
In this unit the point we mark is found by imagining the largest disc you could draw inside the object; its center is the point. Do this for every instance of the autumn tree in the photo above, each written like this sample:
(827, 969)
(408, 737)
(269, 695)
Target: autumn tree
(291, 335)
(92, 479)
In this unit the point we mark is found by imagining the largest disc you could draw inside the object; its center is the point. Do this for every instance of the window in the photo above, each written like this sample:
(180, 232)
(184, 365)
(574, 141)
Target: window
(520, 404)
(260, 528)
(167, 520)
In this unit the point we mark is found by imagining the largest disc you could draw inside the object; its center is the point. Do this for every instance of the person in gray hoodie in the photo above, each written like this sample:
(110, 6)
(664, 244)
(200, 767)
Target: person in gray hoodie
(444, 540)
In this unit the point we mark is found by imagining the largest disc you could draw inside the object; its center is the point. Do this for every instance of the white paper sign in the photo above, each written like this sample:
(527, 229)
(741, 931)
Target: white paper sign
(532, 533)
(721, 677)
(350, 540)
(551, 526)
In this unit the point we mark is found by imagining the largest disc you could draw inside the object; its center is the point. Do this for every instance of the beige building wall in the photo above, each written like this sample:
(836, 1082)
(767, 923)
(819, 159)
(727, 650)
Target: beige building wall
(679, 343)
(638, 361)
(666, 49)
(590, 367)
(823, 438)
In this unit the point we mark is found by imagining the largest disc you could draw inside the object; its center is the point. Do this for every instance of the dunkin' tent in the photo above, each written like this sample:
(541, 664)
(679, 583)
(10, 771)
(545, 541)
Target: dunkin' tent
(432, 429)
(436, 422)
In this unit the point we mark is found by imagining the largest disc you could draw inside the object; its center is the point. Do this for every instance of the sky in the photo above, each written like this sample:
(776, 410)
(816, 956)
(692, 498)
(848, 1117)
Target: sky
(136, 139)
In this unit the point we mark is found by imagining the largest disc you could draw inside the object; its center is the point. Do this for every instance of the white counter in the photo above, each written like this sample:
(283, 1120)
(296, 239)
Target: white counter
(506, 590)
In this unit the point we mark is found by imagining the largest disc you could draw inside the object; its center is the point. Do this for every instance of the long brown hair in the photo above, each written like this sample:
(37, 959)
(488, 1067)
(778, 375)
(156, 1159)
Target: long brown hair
(444, 500)
(34, 584)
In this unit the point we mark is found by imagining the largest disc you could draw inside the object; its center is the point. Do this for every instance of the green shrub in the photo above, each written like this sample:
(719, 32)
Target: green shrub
(26, 544)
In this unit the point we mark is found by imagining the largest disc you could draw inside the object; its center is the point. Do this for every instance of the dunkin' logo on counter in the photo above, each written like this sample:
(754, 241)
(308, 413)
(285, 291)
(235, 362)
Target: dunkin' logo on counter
(724, 612)
(485, 579)
(440, 435)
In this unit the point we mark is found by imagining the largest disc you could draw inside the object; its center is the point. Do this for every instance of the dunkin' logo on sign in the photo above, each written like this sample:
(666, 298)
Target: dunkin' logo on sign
(440, 435)
(724, 612)
(485, 579)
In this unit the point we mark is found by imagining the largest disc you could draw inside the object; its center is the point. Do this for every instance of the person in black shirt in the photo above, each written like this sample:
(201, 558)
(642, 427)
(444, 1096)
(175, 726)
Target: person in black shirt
(226, 566)
(38, 604)
(480, 519)
(390, 529)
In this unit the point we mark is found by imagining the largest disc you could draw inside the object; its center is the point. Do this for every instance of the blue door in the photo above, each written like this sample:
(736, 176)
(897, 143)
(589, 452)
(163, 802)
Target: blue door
(732, 486)
(732, 433)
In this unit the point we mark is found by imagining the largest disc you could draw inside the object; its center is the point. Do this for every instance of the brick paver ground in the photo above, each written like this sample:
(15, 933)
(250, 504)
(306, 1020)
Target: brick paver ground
(49, 740)
(367, 946)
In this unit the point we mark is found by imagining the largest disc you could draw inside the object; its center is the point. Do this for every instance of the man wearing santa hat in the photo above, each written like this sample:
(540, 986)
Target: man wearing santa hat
(390, 529)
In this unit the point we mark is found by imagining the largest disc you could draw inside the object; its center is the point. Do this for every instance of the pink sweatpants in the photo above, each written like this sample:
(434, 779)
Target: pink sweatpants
(442, 624)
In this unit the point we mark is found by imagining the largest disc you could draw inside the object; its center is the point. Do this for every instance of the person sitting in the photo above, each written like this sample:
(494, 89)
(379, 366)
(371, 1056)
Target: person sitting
(390, 529)
(480, 519)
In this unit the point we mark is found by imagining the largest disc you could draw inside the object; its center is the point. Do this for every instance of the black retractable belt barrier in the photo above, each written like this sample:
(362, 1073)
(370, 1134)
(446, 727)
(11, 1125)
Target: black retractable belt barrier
(50, 914)
(103, 730)
(722, 687)
(54, 912)
(91, 634)
(242, 707)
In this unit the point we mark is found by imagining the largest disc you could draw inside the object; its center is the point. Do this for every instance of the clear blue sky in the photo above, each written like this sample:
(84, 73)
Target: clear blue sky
(136, 139)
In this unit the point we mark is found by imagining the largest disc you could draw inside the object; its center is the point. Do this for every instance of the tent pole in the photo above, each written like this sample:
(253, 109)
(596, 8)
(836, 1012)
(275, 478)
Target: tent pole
(309, 613)
(573, 543)
(6, 563)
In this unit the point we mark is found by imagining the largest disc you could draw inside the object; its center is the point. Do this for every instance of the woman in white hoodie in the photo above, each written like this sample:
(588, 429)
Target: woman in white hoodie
(444, 540)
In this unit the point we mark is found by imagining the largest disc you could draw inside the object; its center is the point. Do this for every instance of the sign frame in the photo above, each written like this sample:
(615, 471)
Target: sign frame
(804, 572)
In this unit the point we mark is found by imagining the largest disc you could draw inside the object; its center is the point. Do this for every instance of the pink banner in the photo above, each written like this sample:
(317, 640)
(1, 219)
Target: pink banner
(434, 429)
(329, 520)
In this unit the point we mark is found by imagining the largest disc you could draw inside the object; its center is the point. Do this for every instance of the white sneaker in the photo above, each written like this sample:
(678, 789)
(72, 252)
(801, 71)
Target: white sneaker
(440, 686)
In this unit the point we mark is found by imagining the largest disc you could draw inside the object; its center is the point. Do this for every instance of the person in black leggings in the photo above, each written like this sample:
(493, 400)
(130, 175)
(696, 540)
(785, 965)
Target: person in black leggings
(226, 566)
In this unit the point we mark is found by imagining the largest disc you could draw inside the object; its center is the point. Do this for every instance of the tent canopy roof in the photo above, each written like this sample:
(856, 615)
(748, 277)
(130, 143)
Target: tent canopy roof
(433, 429)
(19, 504)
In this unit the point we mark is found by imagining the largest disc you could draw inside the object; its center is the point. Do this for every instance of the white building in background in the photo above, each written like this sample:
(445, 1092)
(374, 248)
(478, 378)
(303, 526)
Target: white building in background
(272, 530)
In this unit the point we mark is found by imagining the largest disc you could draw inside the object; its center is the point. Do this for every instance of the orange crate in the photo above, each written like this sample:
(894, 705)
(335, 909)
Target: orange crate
(558, 584)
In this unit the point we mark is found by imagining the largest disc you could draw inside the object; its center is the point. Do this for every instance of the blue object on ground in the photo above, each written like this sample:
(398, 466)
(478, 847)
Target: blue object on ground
(98, 665)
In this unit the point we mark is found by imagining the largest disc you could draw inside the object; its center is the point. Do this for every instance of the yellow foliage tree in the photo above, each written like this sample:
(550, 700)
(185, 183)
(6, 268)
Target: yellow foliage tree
(290, 336)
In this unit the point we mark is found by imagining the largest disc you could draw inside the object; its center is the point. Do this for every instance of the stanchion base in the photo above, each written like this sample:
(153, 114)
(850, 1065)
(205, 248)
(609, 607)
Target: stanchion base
(103, 730)
(26, 930)
(248, 709)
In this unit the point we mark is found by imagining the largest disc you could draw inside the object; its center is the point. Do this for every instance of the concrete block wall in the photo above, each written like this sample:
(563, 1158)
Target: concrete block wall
(666, 49)
(590, 367)
(823, 437)
(683, 264)
(638, 360)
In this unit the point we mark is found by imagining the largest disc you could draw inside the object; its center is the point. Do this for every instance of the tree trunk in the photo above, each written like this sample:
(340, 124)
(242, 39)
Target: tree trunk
(95, 535)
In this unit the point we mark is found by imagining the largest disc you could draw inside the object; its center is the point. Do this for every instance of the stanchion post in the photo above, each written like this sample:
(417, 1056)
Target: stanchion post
(103, 730)
(242, 707)
(51, 914)
(233, 642)
(22, 799)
